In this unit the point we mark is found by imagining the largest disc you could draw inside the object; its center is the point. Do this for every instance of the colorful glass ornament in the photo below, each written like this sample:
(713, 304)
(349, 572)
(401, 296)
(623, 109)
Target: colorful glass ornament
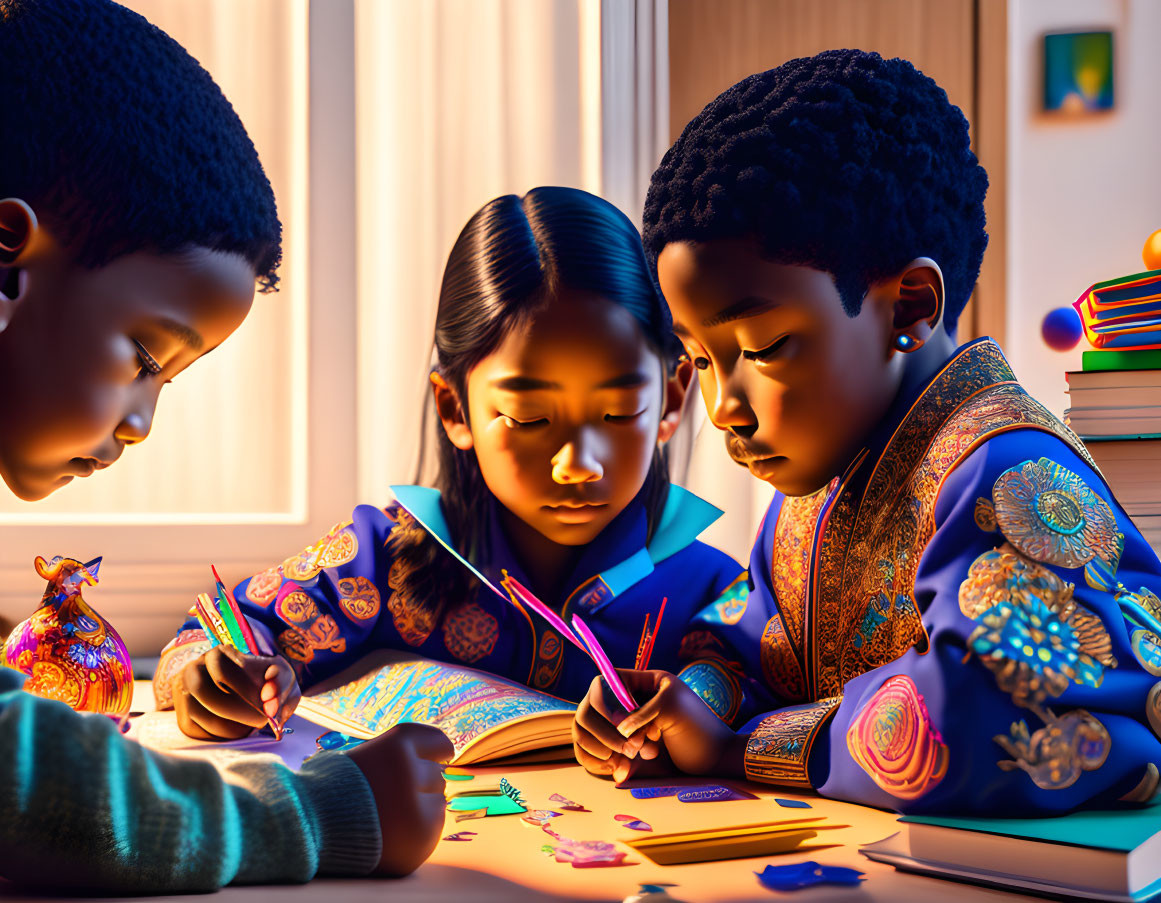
(67, 649)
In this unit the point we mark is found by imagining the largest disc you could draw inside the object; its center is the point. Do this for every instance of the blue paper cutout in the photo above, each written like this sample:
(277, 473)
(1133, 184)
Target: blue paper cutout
(793, 804)
(806, 874)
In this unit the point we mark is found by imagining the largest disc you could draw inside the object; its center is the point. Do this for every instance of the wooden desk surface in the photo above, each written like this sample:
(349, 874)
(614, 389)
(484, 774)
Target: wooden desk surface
(503, 862)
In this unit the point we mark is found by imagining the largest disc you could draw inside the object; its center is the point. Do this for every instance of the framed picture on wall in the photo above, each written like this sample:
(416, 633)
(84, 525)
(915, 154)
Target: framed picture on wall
(1078, 72)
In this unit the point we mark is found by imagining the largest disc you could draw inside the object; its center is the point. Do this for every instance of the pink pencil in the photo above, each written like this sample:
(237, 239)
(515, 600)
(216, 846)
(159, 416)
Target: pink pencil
(608, 672)
(544, 611)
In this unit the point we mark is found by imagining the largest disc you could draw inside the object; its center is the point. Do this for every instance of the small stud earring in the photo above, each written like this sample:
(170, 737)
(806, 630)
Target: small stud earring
(906, 343)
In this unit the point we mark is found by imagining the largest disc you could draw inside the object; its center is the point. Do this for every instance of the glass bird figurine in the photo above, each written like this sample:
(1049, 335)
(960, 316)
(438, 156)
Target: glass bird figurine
(67, 649)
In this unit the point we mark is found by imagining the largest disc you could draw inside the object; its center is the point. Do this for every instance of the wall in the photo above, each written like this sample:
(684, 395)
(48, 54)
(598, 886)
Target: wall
(1083, 193)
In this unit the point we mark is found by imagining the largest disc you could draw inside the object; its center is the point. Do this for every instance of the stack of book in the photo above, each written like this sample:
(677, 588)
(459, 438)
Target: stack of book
(1115, 407)
(1111, 855)
(1122, 313)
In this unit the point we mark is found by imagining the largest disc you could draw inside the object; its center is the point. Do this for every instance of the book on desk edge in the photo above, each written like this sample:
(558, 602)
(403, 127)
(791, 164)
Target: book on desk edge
(487, 718)
(1097, 855)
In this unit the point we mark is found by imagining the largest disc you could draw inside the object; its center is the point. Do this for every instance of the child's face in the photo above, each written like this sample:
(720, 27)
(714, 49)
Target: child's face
(565, 415)
(85, 353)
(794, 382)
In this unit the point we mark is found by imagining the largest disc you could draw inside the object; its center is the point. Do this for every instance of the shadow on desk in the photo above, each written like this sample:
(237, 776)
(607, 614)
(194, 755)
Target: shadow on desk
(434, 882)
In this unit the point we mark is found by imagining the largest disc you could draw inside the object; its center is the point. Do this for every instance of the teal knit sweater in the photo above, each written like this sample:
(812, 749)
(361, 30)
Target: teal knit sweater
(82, 806)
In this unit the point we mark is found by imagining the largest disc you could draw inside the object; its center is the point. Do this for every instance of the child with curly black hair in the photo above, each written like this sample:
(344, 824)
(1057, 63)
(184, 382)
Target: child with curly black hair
(948, 608)
(135, 219)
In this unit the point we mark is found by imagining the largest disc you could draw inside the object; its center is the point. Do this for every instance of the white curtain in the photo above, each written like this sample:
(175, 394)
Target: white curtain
(459, 101)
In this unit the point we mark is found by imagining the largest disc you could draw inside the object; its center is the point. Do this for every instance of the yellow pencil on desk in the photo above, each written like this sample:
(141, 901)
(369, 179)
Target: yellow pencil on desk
(741, 841)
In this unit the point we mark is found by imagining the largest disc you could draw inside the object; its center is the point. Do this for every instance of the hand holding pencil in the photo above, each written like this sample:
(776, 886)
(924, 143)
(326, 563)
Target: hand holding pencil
(225, 694)
(230, 690)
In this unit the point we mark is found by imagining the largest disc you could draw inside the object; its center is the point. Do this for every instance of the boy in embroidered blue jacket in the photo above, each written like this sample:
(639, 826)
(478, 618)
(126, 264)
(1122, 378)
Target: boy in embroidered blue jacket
(134, 220)
(948, 609)
(557, 379)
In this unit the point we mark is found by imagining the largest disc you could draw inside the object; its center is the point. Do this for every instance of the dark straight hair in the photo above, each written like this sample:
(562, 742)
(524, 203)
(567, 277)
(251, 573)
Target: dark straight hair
(509, 262)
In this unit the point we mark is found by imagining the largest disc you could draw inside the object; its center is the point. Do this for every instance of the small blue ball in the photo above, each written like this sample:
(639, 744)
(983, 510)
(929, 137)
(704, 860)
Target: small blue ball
(1061, 329)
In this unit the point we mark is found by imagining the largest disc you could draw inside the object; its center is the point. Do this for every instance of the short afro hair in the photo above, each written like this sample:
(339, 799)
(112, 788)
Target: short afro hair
(122, 142)
(844, 162)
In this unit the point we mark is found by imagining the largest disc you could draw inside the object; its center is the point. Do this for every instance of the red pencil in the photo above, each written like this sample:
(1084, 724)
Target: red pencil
(641, 644)
(653, 635)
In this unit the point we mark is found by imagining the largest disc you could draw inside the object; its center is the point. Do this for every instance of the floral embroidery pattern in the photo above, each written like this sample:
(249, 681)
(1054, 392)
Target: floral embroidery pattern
(1050, 515)
(716, 686)
(895, 742)
(178, 652)
(1142, 611)
(414, 619)
(1153, 708)
(469, 632)
(1036, 639)
(1055, 755)
(338, 547)
(301, 643)
(549, 660)
(729, 607)
(793, 541)
(358, 598)
(1032, 635)
(884, 513)
(780, 666)
(296, 607)
(263, 587)
(985, 515)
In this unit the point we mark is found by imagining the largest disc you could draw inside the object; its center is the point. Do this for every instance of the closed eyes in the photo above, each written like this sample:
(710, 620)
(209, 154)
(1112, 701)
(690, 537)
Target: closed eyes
(148, 361)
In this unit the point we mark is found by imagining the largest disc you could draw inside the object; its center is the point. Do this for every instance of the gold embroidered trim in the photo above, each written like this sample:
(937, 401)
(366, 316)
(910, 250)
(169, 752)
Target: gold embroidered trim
(779, 748)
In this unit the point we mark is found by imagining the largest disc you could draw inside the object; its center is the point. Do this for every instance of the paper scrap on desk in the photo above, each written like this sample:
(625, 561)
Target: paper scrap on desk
(472, 813)
(713, 793)
(512, 793)
(652, 793)
(540, 817)
(492, 805)
(461, 835)
(566, 803)
(457, 776)
(631, 821)
(793, 804)
(806, 874)
(586, 853)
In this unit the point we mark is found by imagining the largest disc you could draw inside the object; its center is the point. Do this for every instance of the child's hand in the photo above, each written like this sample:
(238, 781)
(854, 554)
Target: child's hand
(672, 728)
(403, 768)
(225, 694)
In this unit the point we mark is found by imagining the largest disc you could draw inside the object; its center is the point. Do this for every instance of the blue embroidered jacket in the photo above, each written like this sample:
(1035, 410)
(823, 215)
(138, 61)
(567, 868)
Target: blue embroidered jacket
(966, 620)
(348, 595)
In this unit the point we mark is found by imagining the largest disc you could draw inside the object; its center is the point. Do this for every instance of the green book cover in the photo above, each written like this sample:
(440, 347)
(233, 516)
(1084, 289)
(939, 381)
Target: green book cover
(1146, 359)
(1122, 830)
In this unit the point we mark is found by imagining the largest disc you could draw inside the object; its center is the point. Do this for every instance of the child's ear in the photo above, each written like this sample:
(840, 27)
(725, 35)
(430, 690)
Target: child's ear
(676, 388)
(17, 228)
(917, 298)
(451, 413)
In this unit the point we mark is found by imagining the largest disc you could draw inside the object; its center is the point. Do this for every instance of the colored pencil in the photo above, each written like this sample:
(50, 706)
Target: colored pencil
(207, 627)
(641, 644)
(608, 672)
(243, 625)
(543, 610)
(653, 634)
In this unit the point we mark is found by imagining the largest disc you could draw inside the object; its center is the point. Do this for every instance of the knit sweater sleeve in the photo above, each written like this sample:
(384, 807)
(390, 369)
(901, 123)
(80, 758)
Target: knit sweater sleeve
(82, 806)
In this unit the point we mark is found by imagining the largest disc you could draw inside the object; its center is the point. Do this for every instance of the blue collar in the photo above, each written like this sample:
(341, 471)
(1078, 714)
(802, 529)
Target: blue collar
(683, 519)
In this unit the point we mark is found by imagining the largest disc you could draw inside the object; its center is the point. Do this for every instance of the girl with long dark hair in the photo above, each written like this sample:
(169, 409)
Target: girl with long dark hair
(557, 384)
